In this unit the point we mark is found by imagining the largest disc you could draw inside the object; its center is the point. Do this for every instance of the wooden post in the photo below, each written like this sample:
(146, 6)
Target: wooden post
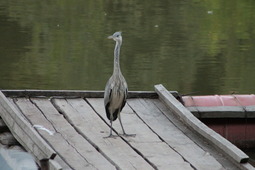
(44, 164)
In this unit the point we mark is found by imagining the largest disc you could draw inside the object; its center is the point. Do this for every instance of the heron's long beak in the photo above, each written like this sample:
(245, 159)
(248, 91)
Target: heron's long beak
(110, 37)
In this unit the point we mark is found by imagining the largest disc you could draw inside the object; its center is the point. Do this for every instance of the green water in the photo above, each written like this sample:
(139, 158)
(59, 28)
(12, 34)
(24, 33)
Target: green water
(206, 47)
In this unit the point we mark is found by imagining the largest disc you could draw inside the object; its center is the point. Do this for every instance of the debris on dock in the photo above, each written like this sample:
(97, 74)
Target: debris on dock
(66, 129)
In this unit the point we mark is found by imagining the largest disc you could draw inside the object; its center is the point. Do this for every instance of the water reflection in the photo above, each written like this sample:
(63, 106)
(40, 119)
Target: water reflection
(205, 47)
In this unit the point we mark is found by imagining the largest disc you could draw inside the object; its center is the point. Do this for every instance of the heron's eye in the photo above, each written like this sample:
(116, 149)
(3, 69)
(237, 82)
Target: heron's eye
(117, 35)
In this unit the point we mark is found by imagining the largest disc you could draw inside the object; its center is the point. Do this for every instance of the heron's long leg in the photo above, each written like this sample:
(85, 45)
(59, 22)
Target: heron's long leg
(110, 135)
(124, 133)
(122, 125)
(111, 128)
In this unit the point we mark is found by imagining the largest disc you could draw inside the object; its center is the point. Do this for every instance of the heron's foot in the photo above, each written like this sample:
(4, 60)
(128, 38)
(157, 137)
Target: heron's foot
(129, 135)
(111, 136)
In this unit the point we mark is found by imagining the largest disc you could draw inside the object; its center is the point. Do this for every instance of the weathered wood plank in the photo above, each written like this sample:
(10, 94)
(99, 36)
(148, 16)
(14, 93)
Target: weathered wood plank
(175, 138)
(80, 144)
(88, 123)
(72, 93)
(145, 141)
(132, 124)
(60, 164)
(191, 121)
(26, 102)
(54, 165)
(57, 140)
(23, 131)
(76, 93)
(196, 138)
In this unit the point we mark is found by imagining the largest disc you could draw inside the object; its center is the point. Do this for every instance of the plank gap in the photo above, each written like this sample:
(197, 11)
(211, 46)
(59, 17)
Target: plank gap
(100, 116)
(130, 145)
(56, 130)
(173, 136)
(15, 102)
(80, 133)
(193, 135)
(160, 136)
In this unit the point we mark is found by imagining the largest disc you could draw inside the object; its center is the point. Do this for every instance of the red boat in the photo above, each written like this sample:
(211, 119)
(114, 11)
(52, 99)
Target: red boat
(232, 116)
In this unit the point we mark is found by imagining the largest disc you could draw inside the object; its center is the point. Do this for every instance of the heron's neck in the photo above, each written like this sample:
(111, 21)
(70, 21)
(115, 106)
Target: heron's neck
(117, 57)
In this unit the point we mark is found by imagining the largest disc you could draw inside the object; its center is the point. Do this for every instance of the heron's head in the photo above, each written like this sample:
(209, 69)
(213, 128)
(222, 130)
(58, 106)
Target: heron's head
(116, 36)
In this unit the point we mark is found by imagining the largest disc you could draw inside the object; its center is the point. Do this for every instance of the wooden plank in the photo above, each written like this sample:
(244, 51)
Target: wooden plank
(26, 102)
(175, 138)
(54, 165)
(60, 164)
(61, 125)
(23, 131)
(71, 93)
(196, 138)
(191, 121)
(132, 124)
(77, 93)
(145, 141)
(51, 93)
(65, 149)
(89, 124)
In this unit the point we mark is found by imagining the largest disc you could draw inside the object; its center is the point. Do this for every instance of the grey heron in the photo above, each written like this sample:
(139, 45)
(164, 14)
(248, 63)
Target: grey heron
(116, 89)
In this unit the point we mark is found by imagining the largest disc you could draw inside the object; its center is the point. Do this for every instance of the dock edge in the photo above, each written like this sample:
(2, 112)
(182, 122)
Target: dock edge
(191, 121)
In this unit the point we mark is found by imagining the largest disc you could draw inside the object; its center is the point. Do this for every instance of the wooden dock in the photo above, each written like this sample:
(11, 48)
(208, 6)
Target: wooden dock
(66, 129)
